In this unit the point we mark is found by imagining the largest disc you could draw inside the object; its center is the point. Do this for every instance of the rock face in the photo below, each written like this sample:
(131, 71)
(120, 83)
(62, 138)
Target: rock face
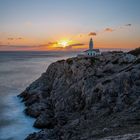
(135, 52)
(86, 98)
(124, 137)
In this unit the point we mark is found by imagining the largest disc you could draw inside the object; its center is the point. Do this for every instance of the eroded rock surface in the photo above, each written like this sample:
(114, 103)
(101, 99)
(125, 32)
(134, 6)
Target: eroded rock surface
(86, 98)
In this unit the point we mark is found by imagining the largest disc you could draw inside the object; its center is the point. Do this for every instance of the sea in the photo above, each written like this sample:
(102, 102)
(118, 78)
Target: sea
(17, 71)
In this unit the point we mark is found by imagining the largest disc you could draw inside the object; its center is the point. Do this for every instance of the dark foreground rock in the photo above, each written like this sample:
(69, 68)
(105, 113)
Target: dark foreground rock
(124, 137)
(135, 52)
(87, 99)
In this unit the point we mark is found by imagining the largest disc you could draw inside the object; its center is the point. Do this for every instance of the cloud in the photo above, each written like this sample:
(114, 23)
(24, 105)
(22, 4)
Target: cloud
(12, 38)
(48, 44)
(52, 43)
(19, 38)
(128, 24)
(56, 46)
(92, 34)
(77, 44)
(3, 45)
(14, 46)
(74, 45)
(109, 30)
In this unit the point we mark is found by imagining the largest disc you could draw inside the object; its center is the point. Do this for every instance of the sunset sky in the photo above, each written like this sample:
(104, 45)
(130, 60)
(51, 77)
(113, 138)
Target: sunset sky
(68, 24)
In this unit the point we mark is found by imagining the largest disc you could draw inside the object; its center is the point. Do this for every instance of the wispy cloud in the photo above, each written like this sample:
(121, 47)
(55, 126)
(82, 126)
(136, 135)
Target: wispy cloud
(3, 45)
(92, 34)
(19, 38)
(48, 44)
(17, 47)
(52, 43)
(12, 38)
(128, 24)
(74, 45)
(117, 28)
(55, 45)
(109, 30)
(80, 35)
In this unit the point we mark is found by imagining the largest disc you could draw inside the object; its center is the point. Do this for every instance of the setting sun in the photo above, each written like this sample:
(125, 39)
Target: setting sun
(64, 43)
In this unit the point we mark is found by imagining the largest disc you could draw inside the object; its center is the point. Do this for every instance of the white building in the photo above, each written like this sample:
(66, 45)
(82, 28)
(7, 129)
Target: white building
(91, 51)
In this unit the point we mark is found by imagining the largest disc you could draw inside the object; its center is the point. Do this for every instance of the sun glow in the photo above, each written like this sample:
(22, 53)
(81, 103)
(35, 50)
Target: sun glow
(64, 43)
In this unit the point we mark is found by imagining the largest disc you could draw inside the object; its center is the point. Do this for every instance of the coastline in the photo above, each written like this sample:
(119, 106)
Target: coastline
(76, 93)
(14, 119)
(17, 71)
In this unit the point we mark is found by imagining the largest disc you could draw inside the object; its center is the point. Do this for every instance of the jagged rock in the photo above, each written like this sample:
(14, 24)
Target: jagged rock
(106, 130)
(135, 52)
(86, 98)
(124, 137)
(45, 120)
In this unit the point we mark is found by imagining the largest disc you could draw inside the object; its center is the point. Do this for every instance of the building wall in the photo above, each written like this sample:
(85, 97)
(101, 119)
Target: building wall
(91, 53)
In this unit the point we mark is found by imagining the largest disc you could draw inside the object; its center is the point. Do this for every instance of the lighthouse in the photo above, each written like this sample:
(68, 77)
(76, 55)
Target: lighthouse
(91, 51)
(91, 44)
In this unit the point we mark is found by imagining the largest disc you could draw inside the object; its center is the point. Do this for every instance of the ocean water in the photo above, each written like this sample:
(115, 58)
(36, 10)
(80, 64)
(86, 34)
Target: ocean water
(17, 71)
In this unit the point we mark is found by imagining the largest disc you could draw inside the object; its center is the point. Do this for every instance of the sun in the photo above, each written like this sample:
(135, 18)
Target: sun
(64, 43)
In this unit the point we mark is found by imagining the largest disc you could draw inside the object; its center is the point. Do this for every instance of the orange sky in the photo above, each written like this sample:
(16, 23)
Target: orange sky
(119, 37)
(43, 24)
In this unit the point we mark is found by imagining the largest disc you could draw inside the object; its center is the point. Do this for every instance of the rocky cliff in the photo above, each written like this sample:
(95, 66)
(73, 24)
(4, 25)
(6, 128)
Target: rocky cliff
(87, 99)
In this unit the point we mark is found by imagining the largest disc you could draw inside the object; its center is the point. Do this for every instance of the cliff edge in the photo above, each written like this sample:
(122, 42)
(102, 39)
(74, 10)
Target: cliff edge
(87, 99)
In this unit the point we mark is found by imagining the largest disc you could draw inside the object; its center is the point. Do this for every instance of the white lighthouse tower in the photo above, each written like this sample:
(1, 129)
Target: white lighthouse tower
(91, 44)
(91, 51)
